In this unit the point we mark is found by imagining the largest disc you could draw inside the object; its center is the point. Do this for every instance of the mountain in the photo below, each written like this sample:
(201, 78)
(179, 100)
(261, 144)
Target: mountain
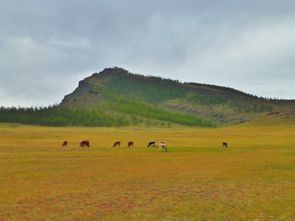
(116, 97)
(137, 99)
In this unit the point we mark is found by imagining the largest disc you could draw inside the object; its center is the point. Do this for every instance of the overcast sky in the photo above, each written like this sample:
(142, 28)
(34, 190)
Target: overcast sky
(47, 46)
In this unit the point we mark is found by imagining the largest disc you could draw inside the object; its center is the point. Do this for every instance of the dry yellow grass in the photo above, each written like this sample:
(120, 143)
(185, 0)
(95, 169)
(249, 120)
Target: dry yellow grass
(254, 179)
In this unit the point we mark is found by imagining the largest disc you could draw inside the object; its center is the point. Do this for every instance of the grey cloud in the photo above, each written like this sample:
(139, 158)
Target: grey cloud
(47, 46)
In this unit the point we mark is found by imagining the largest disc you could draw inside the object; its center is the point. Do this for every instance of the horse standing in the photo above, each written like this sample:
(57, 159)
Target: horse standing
(130, 144)
(117, 143)
(84, 143)
(224, 144)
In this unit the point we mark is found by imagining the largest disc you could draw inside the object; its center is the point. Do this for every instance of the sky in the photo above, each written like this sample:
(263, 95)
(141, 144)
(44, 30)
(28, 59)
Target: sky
(46, 47)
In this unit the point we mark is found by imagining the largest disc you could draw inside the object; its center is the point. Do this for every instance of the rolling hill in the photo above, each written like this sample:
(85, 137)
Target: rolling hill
(116, 97)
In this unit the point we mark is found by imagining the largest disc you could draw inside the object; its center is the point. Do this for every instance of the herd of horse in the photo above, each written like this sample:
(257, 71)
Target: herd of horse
(161, 145)
(86, 143)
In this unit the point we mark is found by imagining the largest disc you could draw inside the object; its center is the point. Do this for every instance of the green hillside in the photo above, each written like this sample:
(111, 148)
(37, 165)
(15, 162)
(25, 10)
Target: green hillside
(117, 90)
(116, 97)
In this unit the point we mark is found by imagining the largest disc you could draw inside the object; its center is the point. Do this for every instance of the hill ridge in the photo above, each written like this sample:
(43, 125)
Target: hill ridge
(118, 71)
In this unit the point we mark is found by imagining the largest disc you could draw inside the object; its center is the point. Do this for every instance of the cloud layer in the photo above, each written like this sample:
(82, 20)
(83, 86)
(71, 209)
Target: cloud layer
(46, 47)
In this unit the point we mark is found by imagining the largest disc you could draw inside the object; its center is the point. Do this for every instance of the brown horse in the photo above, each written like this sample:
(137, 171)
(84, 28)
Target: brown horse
(130, 144)
(151, 144)
(117, 143)
(64, 144)
(84, 143)
(224, 144)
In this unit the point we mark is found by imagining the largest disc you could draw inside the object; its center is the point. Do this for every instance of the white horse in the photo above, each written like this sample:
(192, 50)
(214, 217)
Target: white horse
(163, 146)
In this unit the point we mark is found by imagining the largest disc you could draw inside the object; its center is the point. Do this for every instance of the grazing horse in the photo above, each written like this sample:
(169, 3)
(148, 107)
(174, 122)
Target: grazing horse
(84, 143)
(151, 144)
(163, 146)
(65, 143)
(224, 144)
(117, 143)
(130, 144)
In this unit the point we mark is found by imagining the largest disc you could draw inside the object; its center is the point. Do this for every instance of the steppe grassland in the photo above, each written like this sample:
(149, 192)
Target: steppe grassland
(197, 179)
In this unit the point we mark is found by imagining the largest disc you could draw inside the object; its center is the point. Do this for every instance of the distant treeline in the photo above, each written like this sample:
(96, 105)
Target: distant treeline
(59, 116)
(55, 116)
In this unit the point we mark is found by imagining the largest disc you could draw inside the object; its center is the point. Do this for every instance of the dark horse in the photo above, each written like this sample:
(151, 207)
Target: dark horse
(84, 143)
(65, 143)
(117, 143)
(224, 144)
(130, 144)
(151, 144)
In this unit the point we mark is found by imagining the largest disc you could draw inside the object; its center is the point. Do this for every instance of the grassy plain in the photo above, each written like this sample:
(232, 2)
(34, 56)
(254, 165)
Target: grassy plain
(197, 179)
